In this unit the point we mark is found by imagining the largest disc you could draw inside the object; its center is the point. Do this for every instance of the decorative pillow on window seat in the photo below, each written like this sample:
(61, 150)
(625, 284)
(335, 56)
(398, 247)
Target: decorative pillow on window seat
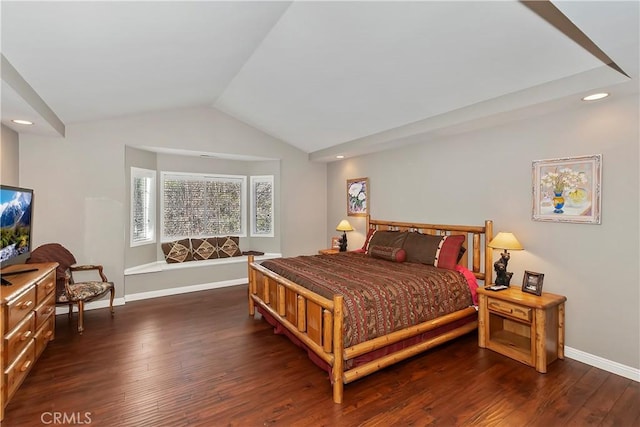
(178, 251)
(204, 248)
(229, 246)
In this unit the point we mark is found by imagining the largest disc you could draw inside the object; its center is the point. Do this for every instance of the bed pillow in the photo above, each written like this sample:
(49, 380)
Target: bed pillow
(448, 252)
(204, 248)
(367, 240)
(387, 252)
(421, 248)
(461, 253)
(394, 239)
(177, 251)
(229, 246)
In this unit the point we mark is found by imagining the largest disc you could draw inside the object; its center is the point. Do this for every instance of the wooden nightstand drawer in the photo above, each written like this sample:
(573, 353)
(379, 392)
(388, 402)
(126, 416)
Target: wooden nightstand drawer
(512, 310)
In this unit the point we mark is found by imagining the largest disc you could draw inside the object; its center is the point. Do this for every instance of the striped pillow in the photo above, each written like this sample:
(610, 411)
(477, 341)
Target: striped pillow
(449, 251)
(389, 253)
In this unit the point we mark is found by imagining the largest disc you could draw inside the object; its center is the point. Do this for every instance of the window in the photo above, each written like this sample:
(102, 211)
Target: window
(202, 205)
(262, 206)
(143, 206)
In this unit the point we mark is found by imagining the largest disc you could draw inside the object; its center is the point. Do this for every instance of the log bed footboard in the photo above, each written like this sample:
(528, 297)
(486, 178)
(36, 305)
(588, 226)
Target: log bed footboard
(318, 321)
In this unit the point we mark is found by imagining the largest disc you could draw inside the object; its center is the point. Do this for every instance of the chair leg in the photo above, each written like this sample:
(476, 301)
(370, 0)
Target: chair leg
(113, 292)
(70, 311)
(80, 317)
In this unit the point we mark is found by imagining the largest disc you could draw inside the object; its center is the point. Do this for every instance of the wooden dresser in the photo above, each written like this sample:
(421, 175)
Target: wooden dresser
(27, 323)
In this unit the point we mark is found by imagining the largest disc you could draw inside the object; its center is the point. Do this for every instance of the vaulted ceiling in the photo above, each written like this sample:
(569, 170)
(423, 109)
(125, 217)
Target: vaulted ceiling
(327, 77)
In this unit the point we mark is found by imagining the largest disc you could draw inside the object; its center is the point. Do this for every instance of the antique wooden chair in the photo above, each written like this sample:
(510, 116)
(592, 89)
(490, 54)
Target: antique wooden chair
(67, 290)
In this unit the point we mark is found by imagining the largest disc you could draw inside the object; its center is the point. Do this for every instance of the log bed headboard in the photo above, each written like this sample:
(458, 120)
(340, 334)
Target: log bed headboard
(476, 241)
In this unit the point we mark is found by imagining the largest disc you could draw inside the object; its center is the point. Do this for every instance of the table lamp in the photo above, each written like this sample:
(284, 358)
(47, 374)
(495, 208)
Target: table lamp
(344, 226)
(504, 241)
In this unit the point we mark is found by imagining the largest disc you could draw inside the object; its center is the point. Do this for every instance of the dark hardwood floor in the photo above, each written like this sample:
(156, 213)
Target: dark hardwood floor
(199, 360)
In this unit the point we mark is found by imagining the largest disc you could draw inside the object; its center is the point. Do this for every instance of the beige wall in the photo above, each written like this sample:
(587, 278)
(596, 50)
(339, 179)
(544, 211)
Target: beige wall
(486, 174)
(9, 157)
(81, 184)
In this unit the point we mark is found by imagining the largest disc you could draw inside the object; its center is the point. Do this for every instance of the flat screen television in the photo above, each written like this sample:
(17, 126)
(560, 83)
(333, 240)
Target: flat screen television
(16, 213)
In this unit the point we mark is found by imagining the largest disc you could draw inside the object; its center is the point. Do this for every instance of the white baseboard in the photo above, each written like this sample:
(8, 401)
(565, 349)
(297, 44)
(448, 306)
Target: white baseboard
(604, 364)
(64, 309)
(569, 352)
(184, 289)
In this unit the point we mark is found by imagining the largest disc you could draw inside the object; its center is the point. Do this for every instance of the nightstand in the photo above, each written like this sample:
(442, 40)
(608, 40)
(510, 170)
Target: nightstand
(525, 327)
(330, 251)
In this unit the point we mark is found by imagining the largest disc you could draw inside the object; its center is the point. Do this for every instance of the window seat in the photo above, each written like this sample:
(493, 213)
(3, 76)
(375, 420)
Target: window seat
(159, 266)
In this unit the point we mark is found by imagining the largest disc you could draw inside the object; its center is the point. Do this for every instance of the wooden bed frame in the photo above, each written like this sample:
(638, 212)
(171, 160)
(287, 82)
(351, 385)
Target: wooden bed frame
(318, 322)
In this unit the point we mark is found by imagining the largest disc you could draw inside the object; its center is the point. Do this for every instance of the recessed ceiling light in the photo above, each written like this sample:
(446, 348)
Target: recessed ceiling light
(22, 122)
(339, 156)
(595, 96)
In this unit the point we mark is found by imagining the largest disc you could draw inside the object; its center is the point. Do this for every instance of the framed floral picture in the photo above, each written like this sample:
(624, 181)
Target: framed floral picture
(358, 197)
(567, 189)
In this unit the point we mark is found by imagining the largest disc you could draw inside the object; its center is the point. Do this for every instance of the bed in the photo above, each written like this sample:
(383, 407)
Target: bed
(358, 312)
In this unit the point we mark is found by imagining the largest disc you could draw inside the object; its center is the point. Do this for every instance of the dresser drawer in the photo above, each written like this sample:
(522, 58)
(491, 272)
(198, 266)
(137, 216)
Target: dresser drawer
(45, 287)
(45, 310)
(18, 338)
(513, 310)
(18, 309)
(18, 370)
(45, 334)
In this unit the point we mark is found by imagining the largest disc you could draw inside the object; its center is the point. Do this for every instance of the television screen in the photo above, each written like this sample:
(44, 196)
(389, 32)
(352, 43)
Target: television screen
(16, 205)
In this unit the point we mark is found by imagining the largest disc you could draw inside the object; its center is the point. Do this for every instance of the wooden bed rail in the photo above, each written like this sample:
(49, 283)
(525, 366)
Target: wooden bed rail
(318, 321)
(314, 320)
(308, 316)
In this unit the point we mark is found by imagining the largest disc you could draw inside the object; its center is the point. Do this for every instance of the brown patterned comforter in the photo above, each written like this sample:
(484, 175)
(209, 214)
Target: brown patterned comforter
(380, 296)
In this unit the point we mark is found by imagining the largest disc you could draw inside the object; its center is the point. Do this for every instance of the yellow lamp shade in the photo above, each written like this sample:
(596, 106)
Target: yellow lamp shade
(344, 226)
(505, 241)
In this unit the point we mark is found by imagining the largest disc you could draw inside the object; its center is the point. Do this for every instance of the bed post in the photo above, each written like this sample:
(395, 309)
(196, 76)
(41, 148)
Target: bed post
(251, 278)
(488, 252)
(338, 347)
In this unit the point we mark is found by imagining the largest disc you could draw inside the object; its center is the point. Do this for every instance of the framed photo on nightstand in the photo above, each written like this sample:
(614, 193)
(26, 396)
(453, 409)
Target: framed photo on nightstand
(532, 282)
(335, 243)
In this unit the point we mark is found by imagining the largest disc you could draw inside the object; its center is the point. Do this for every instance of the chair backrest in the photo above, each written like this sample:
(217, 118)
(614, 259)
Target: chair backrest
(54, 252)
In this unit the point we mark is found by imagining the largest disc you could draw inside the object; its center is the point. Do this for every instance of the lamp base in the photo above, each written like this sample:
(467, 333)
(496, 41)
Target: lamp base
(502, 276)
(343, 242)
